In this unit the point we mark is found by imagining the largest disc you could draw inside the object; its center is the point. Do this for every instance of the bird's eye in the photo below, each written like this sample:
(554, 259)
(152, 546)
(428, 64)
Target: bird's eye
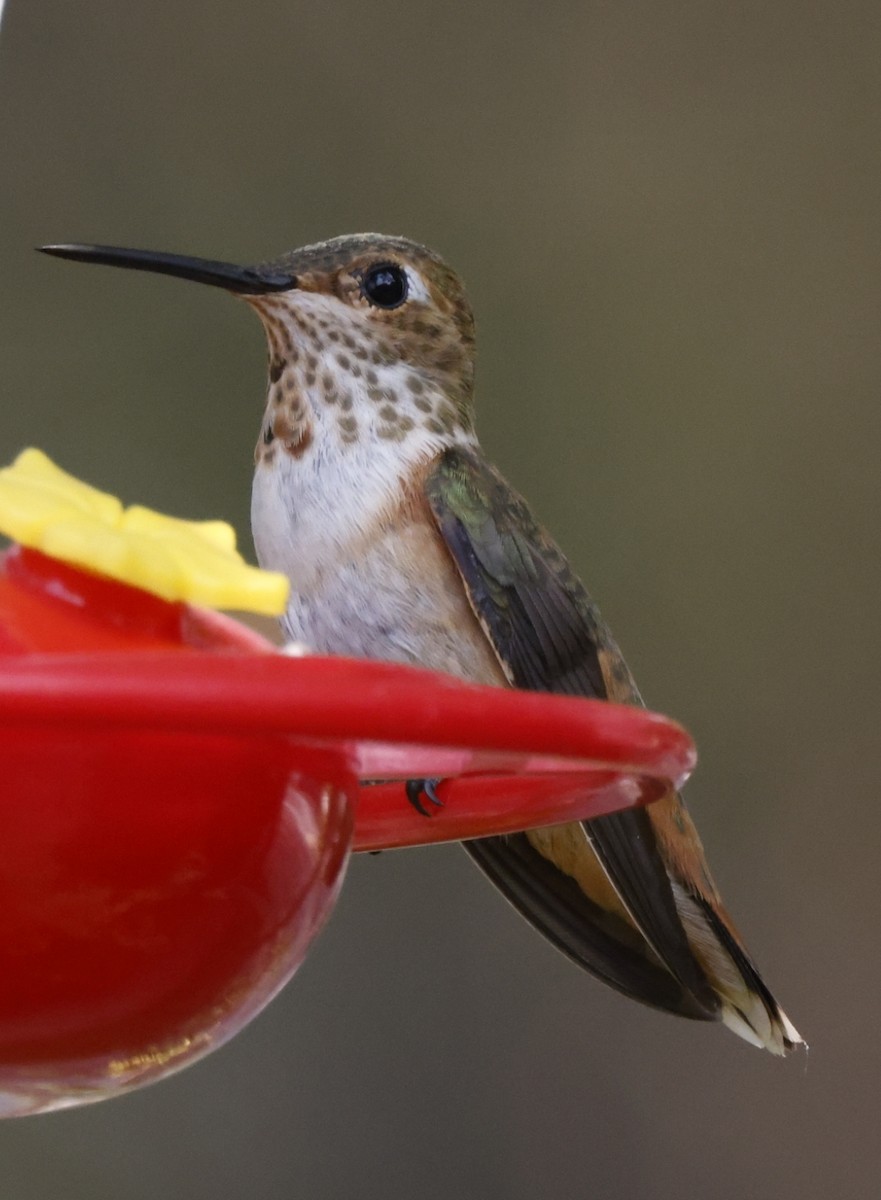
(385, 285)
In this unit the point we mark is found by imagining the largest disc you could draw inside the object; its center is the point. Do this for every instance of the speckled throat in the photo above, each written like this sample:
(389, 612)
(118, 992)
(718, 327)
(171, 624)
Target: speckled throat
(333, 382)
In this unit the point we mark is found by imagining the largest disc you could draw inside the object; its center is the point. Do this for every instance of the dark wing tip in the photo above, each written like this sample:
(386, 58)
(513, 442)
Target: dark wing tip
(595, 939)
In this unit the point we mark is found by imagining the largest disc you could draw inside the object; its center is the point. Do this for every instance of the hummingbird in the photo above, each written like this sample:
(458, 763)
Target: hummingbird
(402, 542)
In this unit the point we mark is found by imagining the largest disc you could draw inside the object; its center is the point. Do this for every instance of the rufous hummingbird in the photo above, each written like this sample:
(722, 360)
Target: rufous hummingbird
(402, 542)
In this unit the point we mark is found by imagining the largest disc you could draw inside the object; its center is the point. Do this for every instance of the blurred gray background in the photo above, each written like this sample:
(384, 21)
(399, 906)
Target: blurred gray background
(667, 216)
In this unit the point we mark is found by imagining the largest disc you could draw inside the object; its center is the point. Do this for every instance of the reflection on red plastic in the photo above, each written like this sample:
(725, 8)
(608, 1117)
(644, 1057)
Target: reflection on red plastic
(142, 925)
(179, 802)
(49, 606)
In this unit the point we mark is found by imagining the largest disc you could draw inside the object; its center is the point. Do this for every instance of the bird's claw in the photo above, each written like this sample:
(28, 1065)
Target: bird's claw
(417, 788)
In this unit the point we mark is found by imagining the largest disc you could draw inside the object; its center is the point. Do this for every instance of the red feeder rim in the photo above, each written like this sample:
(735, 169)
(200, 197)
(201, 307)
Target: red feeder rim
(509, 759)
(83, 650)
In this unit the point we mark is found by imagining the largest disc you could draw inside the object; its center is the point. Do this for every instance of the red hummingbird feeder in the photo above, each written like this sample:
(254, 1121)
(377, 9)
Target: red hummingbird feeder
(180, 798)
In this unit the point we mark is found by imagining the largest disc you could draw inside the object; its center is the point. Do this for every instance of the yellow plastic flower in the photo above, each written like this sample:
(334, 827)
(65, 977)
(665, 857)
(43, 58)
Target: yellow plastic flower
(196, 561)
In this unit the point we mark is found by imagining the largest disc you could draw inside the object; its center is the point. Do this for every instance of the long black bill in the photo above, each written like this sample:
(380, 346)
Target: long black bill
(247, 281)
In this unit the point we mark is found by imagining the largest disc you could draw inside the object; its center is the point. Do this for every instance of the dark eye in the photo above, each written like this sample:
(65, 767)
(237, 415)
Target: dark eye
(385, 285)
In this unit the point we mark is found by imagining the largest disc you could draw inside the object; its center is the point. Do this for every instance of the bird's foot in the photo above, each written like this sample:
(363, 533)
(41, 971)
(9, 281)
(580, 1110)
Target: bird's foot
(417, 788)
